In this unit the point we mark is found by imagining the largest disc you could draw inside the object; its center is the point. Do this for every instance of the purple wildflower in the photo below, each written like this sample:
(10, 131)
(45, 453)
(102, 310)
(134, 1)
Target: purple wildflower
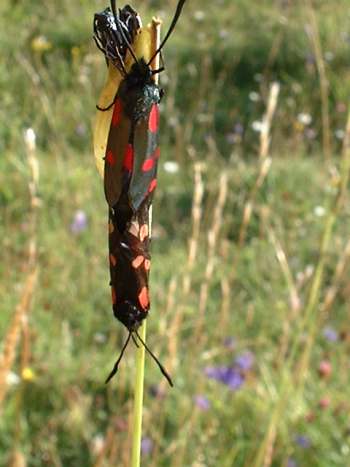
(238, 129)
(201, 402)
(244, 361)
(79, 222)
(330, 334)
(229, 342)
(303, 441)
(146, 445)
(230, 376)
(292, 462)
(310, 133)
(80, 129)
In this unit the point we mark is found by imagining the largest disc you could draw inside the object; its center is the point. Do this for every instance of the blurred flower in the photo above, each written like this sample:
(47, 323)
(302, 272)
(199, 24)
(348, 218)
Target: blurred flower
(100, 338)
(258, 126)
(79, 222)
(283, 19)
(171, 167)
(223, 33)
(238, 128)
(341, 107)
(203, 118)
(12, 378)
(229, 376)
(80, 129)
(310, 59)
(304, 118)
(328, 56)
(244, 361)
(330, 334)
(310, 417)
(310, 133)
(319, 211)
(121, 424)
(41, 44)
(191, 69)
(325, 402)
(292, 462)
(339, 134)
(199, 15)
(97, 444)
(325, 368)
(30, 138)
(303, 441)
(173, 121)
(146, 445)
(254, 96)
(229, 342)
(201, 402)
(233, 138)
(297, 87)
(28, 374)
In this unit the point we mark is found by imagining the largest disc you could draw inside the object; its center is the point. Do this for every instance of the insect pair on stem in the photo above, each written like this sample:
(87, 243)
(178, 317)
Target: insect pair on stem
(130, 167)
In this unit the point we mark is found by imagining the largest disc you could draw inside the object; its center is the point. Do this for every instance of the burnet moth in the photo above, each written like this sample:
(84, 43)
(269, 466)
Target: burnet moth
(130, 168)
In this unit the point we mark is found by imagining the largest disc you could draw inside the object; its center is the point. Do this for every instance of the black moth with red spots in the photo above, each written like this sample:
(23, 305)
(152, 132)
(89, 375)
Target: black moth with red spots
(130, 169)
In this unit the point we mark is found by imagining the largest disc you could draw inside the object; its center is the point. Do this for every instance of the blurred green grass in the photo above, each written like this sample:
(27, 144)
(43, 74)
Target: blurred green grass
(220, 54)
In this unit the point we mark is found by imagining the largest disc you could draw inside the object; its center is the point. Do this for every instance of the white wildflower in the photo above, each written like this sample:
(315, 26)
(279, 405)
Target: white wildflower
(171, 167)
(254, 96)
(339, 134)
(304, 118)
(258, 126)
(30, 138)
(12, 378)
(319, 211)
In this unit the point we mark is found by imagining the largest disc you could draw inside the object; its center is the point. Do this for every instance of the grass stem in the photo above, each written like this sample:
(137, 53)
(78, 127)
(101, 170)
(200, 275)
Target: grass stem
(138, 400)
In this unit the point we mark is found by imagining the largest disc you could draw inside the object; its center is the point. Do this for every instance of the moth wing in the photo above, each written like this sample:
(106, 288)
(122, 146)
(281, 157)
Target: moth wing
(146, 154)
(117, 153)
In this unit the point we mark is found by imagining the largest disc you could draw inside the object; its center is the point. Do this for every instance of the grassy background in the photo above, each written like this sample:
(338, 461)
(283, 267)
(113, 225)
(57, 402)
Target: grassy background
(259, 296)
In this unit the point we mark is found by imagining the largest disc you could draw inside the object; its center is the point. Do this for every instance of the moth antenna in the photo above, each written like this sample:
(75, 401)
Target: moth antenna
(170, 30)
(161, 367)
(104, 109)
(120, 29)
(115, 368)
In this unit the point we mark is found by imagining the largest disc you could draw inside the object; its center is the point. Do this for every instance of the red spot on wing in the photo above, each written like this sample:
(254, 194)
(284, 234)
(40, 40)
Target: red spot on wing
(114, 296)
(147, 165)
(153, 118)
(152, 185)
(112, 260)
(110, 157)
(143, 232)
(143, 298)
(117, 112)
(128, 158)
(147, 264)
(156, 153)
(137, 261)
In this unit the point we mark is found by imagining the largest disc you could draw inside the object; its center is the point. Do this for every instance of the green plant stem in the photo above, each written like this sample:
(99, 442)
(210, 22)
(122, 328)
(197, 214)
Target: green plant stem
(138, 400)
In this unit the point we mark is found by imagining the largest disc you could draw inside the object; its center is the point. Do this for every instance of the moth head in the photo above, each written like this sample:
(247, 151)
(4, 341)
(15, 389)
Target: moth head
(130, 315)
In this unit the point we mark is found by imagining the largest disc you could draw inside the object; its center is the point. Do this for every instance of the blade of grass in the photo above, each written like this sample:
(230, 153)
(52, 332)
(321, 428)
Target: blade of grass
(138, 400)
